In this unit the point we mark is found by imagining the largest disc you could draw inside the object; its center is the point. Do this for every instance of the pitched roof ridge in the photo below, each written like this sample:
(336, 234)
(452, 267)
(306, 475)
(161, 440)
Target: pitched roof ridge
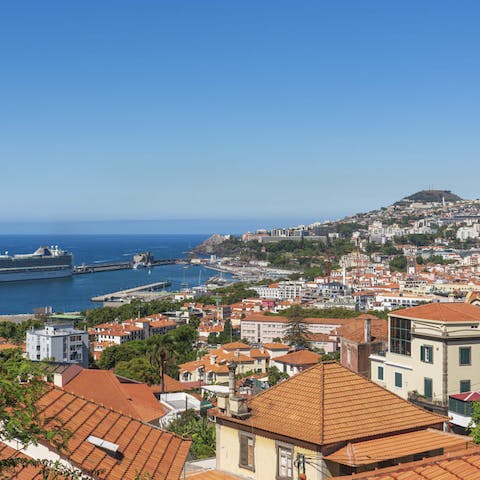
(378, 387)
(286, 381)
(411, 466)
(106, 407)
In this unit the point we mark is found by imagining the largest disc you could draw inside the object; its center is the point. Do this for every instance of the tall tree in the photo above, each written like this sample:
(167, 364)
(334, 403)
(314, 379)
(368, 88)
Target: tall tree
(296, 332)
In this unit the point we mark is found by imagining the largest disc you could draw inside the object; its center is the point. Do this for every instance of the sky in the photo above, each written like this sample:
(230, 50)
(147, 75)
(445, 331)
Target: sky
(231, 115)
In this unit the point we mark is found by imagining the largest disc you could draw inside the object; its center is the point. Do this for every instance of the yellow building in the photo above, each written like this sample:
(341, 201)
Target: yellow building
(323, 422)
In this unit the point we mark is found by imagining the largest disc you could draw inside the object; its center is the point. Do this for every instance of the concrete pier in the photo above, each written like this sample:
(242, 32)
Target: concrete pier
(152, 291)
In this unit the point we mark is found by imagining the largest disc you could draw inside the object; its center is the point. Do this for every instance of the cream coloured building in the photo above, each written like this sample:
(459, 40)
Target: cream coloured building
(322, 422)
(433, 352)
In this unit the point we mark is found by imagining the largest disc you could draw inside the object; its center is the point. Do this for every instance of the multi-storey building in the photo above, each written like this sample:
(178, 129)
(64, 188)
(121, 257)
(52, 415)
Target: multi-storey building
(281, 290)
(433, 352)
(59, 343)
(258, 328)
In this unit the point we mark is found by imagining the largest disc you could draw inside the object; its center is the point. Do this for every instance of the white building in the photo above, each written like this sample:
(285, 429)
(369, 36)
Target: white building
(281, 290)
(465, 233)
(59, 343)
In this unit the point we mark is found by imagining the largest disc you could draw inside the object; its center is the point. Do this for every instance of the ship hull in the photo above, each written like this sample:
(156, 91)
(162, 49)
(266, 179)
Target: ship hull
(7, 276)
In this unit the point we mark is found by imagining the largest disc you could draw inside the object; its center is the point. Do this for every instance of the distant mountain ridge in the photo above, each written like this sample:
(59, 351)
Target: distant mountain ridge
(433, 196)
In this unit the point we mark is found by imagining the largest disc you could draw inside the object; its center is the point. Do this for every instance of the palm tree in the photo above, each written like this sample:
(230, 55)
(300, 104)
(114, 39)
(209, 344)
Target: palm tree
(161, 351)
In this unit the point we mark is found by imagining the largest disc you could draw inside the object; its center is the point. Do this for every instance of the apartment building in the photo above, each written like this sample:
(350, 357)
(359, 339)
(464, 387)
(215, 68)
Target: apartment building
(59, 342)
(257, 328)
(280, 290)
(433, 352)
(129, 330)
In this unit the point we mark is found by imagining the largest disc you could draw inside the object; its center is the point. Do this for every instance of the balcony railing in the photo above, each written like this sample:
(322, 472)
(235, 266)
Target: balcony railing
(426, 402)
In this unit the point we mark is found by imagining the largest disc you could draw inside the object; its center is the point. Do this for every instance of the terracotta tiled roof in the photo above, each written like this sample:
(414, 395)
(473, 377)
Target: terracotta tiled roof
(211, 475)
(256, 353)
(355, 330)
(443, 467)
(329, 403)
(21, 473)
(301, 357)
(103, 387)
(442, 312)
(236, 346)
(143, 448)
(396, 446)
(171, 385)
(321, 337)
(8, 346)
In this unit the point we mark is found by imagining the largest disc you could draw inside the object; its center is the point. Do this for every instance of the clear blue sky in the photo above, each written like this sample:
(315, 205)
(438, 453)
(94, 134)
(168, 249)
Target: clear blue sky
(275, 110)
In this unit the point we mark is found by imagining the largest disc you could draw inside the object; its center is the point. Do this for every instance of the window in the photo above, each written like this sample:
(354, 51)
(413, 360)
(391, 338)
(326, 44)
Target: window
(427, 388)
(380, 373)
(465, 354)
(398, 380)
(426, 353)
(462, 408)
(284, 462)
(247, 451)
(464, 386)
(400, 339)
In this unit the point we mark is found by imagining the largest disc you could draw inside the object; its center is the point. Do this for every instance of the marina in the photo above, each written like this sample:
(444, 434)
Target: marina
(73, 293)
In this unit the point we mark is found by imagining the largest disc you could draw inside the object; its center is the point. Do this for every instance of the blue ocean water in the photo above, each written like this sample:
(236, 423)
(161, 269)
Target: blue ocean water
(74, 293)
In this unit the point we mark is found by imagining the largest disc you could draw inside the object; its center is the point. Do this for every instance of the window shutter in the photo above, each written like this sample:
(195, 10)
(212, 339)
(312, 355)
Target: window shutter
(422, 354)
(250, 452)
(243, 450)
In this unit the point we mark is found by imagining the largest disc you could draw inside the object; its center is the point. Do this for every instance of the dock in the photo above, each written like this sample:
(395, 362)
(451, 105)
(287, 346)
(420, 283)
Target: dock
(152, 291)
(111, 266)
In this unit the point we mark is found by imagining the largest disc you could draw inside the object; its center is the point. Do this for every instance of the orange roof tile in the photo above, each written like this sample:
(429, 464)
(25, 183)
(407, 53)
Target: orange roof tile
(301, 357)
(442, 312)
(256, 353)
(21, 472)
(8, 346)
(328, 403)
(396, 446)
(236, 346)
(211, 475)
(144, 449)
(171, 385)
(134, 399)
(451, 466)
(355, 330)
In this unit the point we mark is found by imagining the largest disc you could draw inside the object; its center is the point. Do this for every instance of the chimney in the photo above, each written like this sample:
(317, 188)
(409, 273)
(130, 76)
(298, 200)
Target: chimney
(213, 359)
(367, 329)
(232, 366)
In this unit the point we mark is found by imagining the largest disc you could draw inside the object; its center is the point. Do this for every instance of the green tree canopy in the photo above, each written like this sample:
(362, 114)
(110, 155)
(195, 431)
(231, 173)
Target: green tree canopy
(296, 331)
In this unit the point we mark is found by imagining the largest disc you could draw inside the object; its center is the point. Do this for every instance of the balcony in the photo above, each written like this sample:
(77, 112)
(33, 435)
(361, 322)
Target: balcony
(435, 406)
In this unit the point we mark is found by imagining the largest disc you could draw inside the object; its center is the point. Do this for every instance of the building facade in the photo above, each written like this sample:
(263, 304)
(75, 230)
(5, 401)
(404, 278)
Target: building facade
(433, 352)
(58, 342)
